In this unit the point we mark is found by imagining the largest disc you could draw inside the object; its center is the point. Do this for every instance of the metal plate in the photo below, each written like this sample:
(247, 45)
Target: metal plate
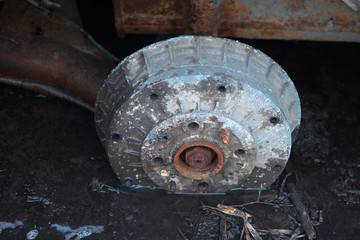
(321, 20)
(223, 86)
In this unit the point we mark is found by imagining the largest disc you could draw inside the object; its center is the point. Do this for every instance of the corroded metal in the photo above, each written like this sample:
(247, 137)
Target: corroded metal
(205, 17)
(206, 92)
(199, 157)
(187, 170)
(43, 47)
(324, 20)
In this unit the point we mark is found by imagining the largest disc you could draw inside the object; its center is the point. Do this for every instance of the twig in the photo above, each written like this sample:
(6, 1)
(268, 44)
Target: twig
(244, 215)
(242, 233)
(265, 203)
(10, 40)
(37, 5)
(182, 234)
(230, 211)
(97, 185)
(279, 231)
(50, 4)
(295, 234)
(223, 232)
(247, 235)
(221, 215)
(252, 230)
(302, 211)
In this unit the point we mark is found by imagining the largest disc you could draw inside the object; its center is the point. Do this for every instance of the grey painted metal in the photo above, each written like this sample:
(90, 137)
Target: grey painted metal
(218, 83)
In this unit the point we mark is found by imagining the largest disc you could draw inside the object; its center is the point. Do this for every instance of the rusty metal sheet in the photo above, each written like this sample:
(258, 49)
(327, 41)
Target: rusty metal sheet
(45, 44)
(150, 16)
(325, 20)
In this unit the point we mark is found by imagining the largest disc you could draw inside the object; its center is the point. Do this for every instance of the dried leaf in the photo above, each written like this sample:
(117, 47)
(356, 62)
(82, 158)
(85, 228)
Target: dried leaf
(295, 234)
(244, 215)
(283, 231)
(242, 233)
(232, 211)
(247, 235)
(252, 230)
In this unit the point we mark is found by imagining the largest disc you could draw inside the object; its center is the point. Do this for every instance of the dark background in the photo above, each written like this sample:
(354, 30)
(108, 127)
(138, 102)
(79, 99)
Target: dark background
(50, 155)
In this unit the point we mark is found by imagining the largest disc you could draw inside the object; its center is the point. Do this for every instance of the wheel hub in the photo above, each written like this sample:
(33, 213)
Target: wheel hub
(198, 114)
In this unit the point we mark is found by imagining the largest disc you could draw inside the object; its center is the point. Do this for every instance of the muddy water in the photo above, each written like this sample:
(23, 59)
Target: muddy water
(54, 167)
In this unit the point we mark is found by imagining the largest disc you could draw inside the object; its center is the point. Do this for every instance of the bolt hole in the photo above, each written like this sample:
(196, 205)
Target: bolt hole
(203, 186)
(164, 138)
(239, 152)
(158, 161)
(222, 89)
(277, 167)
(154, 96)
(274, 120)
(116, 136)
(240, 164)
(128, 181)
(193, 126)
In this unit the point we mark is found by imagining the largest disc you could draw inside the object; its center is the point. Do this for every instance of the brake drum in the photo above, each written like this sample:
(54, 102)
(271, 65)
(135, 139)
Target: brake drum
(198, 115)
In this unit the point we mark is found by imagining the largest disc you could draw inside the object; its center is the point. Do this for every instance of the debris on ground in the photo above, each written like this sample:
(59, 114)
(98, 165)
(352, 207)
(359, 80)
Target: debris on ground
(32, 234)
(250, 229)
(302, 211)
(31, 199)
(97, 186)
(78, 233)
(5, 225)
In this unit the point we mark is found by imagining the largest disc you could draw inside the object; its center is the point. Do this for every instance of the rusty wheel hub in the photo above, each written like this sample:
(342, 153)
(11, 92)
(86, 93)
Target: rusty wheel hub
(198, 114)
(198, 162)
(198, 157)
(193, 153)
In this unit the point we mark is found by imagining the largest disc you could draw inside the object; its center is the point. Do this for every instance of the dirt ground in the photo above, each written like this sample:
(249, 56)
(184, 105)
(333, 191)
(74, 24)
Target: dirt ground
(55, 178)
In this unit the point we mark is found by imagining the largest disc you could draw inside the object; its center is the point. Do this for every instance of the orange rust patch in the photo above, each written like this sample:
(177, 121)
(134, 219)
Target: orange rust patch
(225, 135)
(199, 173)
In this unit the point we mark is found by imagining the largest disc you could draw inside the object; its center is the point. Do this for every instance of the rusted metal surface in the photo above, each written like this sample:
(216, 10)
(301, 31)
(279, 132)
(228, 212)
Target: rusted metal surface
(150, 16)
(225, 135)
(325, 20)
(43, 47)
(195, 91)
(199, 157)
(202, 160)
(205, 17)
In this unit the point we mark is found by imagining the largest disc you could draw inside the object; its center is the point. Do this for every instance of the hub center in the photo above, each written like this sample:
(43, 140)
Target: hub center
(199, 160)
(198, 157)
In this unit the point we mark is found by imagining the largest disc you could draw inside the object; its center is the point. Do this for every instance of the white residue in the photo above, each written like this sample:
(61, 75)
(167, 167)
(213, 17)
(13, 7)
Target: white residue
(78, 233)
(5, 225)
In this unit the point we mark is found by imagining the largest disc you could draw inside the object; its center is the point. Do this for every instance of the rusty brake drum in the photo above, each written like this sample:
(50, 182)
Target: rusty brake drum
(198, 115)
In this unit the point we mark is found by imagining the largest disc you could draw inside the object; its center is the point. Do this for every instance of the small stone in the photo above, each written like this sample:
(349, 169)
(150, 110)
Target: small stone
(32, 234)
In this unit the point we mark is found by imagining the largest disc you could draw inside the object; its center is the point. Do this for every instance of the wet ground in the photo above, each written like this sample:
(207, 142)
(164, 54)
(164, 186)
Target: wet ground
(56, 181)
